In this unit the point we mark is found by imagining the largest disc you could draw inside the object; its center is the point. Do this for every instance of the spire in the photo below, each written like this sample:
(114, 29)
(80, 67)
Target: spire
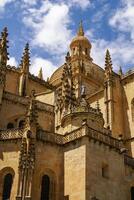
(120, 72)
(25, 62)
(3, 47)
(40, 74)
(108, 61)
(80, 30)
(108, 66)
(32, 114)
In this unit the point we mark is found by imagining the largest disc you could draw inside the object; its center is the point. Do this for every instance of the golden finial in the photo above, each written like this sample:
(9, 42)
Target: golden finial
(40, 74)
(80, 30)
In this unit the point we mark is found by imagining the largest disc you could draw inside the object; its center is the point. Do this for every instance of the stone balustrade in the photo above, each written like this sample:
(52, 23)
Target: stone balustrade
(11, 134)
(84, 130)
(49, 137)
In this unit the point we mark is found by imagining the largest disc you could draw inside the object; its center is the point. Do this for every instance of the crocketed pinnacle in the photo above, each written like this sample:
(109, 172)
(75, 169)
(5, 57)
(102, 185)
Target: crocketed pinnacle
(40, 74)
(108, 61)
(120, 71)
(3, 46)
(32, 115)
(25, 62)
(97, 105)
(80, 30)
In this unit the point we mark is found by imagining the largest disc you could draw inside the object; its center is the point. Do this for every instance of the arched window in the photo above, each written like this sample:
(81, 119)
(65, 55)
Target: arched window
(8, 180)
(45, 188)
(21, 123)
(10, 125)
(132, 193)
(132, 109)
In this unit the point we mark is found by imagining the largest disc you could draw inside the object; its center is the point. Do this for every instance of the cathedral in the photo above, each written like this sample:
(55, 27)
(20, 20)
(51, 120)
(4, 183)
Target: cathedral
(70, 137)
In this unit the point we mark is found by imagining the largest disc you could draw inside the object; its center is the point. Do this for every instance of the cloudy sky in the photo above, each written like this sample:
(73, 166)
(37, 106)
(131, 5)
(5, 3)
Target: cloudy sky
(50, 25)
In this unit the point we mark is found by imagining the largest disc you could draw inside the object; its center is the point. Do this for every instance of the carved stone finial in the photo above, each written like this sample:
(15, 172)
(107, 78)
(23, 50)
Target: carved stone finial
(25, 62)
(31, 115)
(40, 74)
(120, 72)
(80, 30)
(97, 105)
(108, 65)
(3, 47)
(108, 61)
(83, 91)
(67, 58)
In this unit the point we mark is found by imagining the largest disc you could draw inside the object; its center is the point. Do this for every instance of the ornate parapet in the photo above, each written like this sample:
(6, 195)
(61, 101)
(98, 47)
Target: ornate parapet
(103, 137)
(11, 134)
(97, 136)
(49, 137)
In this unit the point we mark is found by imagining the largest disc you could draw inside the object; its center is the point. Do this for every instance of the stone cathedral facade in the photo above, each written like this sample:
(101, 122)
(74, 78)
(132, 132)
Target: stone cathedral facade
(70, 137)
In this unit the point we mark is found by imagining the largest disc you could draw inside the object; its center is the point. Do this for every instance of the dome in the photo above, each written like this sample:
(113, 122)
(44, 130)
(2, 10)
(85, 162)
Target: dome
(80, 39)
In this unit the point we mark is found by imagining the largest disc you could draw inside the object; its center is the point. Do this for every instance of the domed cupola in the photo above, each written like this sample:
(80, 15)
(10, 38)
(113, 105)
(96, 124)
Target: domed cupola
(80, 45)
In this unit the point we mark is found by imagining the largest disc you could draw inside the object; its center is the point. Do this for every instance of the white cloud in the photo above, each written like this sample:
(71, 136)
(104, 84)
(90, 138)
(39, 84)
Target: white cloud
(50, 26)
(123, 18)
(98, 16)
(3, 3)
(122, 48)
(12, 61)
(47, 66)
(84, 4)
(29, 2)
(121, 52)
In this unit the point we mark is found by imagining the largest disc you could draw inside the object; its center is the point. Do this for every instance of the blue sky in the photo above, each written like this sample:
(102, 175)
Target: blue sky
(50, 25)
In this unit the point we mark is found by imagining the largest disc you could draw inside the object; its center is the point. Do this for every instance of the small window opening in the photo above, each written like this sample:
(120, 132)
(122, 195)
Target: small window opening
(105, 171)
(10, 125)
(73, 50)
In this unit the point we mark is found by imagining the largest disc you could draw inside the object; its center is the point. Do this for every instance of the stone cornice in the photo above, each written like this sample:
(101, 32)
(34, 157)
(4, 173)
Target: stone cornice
(44, 107)
(15, 98)
(128, 75)
(26, 100)
(31, 76)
